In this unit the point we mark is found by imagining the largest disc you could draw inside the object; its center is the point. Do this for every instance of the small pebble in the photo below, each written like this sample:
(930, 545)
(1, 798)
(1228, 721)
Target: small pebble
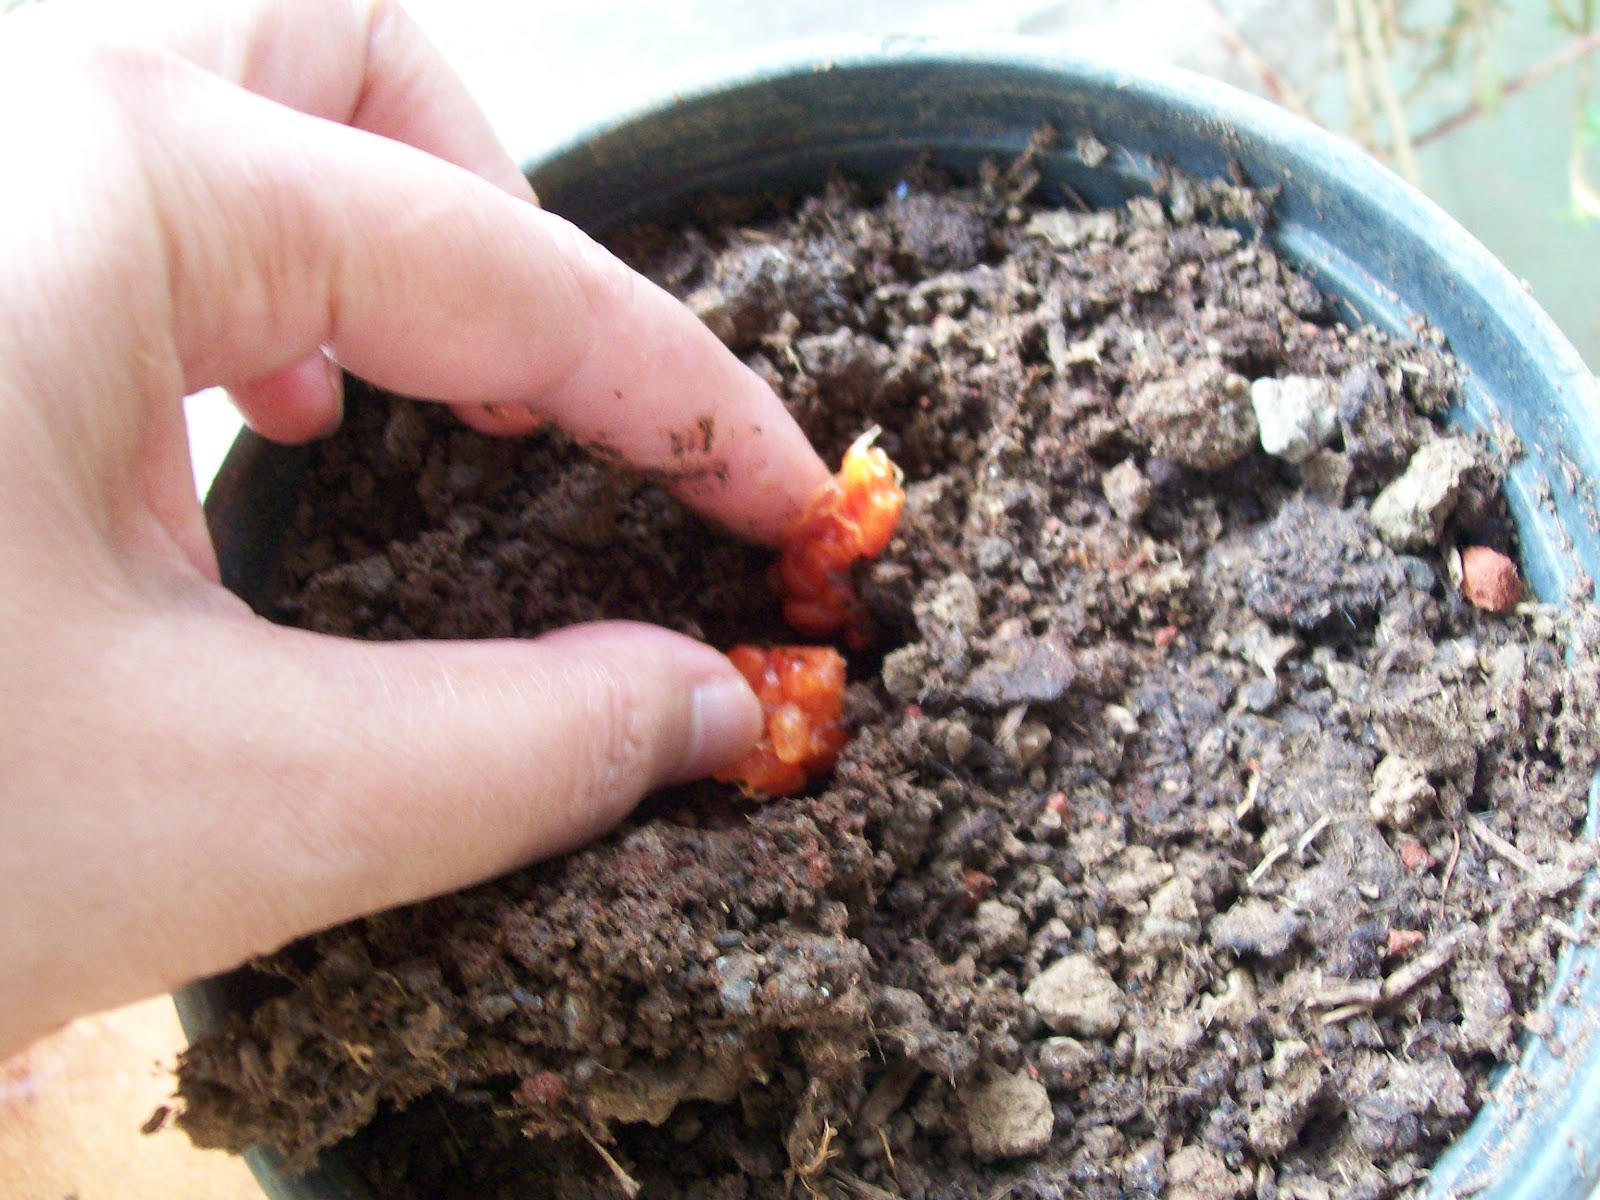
(1077, 995)
(1414, 855)
(1401, 794)
(1256, 926)
(1297, 415)
(957, 741)
(999, 930)
(1259, 695)
(1198, 1173)
(1489, 579)
(1063, 1061)
(1402, 941)
(1126, 490)
(1009, 1117)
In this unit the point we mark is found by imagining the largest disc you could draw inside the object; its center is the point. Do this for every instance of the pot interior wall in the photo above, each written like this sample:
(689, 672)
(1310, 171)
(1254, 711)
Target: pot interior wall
(1390, 255)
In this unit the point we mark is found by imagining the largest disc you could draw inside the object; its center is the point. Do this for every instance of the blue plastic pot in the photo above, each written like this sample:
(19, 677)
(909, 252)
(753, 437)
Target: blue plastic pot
(867, 107)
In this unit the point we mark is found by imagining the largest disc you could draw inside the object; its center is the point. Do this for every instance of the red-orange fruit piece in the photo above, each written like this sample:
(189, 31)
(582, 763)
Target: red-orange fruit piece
(801, 689)
(853, 518)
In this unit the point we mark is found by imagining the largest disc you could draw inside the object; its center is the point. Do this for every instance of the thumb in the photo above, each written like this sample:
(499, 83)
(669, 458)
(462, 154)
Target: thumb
(324, 779)
(446, 762)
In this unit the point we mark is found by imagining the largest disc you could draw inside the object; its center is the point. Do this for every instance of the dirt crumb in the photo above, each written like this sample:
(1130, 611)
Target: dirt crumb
(1008, 1117)
(1076, 995)
(1201, 419)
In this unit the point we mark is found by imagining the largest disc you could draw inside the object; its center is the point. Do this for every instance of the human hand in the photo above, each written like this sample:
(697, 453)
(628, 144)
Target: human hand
(245, 195)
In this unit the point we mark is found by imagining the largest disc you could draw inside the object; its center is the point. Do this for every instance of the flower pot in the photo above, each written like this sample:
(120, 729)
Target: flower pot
(1363, 236)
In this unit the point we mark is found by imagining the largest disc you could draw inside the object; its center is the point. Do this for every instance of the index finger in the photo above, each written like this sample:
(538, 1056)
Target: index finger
(282, 233)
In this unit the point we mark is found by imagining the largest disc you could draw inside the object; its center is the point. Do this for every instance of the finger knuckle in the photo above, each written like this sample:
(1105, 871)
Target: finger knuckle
(622, 742)
(608, 287)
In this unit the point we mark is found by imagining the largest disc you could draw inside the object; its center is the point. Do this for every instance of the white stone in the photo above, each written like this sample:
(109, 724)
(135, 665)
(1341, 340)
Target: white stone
(1410, 513)
(1127, 490)
(1401, 793)
(1000, 930)
(1297, 415)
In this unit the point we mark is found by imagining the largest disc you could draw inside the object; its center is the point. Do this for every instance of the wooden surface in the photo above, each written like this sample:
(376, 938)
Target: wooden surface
(71, 1108)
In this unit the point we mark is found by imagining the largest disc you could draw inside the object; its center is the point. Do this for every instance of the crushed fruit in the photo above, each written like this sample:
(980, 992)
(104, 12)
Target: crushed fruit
(801, 689)
(853, 518)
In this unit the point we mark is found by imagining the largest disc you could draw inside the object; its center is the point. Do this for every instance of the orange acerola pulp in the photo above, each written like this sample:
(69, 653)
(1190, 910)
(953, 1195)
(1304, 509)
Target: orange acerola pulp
(853, 518)
(801, 689)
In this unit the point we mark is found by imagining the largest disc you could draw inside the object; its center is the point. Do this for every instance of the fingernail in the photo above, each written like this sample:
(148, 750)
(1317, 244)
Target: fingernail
(725, 722)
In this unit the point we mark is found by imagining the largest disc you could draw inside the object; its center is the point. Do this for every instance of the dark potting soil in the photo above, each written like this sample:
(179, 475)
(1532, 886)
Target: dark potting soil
(1194, 841)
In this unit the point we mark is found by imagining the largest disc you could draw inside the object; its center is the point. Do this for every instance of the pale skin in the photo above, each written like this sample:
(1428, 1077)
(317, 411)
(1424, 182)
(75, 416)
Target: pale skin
(245, 194)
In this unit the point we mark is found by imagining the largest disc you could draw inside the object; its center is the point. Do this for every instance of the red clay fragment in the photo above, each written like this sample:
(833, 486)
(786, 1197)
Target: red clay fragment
(1489, 579)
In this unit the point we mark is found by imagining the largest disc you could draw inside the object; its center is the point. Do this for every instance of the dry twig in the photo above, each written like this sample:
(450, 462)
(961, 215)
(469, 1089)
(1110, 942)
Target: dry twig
(1397, 983)
(1372, 41)
(1251, 60)
(1265, 864)
(1355, 72)
(1576, 49)
(628, 1184)
(1507, 851)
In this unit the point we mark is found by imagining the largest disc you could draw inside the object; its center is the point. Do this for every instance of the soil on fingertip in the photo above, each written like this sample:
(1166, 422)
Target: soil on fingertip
(1194, 840)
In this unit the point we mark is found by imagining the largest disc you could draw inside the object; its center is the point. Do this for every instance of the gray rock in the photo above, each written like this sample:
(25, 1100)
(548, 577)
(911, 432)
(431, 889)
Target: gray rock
(1199, 1173)
(905, 670)
(1401, 793)
(1127, 490)
(1174, 917)
(1066, 230)
(1256, 926)
(999, 929)
(1063, 1062)
(1144, 1170)
(1009, 1117)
